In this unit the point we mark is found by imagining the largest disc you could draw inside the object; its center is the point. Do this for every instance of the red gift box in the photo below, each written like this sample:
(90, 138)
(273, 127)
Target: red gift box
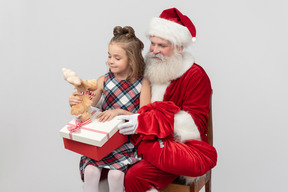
(92, 138)
(95, 152)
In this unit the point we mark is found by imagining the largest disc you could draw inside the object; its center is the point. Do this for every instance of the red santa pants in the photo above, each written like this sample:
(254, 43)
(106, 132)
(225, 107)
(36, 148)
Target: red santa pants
(192, 158)
(143, 176)
(163, 160)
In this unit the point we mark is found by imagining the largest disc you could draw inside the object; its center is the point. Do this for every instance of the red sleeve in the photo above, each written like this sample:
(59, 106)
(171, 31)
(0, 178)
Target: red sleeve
(157, 119)
(197, 102)
(192, 93)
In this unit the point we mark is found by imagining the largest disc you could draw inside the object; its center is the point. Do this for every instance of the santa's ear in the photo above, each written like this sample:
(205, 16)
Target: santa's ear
(179, 49)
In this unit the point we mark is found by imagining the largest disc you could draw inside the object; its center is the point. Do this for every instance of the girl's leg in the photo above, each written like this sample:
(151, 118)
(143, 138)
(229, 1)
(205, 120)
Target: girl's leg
(91, 178)
(116, 181)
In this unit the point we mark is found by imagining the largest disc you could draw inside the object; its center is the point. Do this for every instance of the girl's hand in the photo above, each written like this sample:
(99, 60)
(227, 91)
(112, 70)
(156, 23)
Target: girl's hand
(74, 99)
(108, 115)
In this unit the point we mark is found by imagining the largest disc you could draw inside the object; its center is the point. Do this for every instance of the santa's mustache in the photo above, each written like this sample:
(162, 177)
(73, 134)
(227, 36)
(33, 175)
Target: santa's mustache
(151, 55)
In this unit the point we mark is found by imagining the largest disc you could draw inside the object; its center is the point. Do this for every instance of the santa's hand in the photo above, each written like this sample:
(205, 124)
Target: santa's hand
(128, 128)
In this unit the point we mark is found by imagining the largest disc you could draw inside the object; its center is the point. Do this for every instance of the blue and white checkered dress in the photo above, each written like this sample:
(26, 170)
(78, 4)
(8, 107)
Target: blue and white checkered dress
(117, 94)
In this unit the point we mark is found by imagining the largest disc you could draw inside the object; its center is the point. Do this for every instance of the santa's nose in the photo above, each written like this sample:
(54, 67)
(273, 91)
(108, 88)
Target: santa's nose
(156, 51)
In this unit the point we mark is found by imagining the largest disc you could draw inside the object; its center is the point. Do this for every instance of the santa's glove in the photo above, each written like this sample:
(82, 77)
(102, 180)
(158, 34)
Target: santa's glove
(130, 125)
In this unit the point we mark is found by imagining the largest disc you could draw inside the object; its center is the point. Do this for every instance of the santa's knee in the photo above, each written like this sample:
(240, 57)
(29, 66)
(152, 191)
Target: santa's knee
(130, 176)
(133, 181)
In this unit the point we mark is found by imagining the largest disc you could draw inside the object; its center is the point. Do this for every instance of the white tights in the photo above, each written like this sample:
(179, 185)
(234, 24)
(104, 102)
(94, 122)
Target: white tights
(92, 176)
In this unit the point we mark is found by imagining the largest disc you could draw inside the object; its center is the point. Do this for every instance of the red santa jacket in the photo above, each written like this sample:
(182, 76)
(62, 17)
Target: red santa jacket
(188, 94)
(182, 112)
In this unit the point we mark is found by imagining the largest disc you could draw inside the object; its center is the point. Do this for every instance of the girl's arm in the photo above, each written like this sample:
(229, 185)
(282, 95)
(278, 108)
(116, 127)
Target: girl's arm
(145, 95)
(98, 91)
(111, 113)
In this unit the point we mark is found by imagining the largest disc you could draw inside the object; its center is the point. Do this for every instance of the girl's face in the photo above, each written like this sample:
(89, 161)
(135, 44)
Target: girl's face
(118, 61)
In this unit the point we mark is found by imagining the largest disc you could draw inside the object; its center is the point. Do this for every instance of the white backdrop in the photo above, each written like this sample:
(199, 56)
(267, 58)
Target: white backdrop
(242, 45)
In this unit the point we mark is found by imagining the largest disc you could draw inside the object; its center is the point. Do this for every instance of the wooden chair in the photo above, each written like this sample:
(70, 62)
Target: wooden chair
(197, 185)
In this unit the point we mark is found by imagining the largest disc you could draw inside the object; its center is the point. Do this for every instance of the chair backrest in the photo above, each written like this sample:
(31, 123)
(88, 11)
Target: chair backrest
(210, 125)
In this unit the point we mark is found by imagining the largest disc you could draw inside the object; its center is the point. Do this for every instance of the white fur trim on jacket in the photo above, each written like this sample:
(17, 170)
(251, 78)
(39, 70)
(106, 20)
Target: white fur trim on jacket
(188, 61)
(185, 127)
(158, 91)
(189, 180)
(152, 190)
(171, 31)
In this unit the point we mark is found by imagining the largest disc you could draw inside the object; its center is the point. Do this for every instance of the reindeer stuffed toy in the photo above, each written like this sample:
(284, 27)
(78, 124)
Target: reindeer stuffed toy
(81, 110)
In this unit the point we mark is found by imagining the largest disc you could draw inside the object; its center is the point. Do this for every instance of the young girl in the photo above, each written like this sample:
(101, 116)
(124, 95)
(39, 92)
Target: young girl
(124, 90)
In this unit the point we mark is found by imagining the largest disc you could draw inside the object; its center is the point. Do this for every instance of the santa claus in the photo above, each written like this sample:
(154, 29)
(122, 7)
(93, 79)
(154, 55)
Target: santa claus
(170, 133)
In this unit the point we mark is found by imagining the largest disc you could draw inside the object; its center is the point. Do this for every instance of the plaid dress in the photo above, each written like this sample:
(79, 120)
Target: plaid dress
(117, 94)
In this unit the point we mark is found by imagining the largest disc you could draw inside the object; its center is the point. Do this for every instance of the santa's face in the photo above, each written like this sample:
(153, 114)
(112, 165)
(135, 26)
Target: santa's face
(162, 69)
(161, 46)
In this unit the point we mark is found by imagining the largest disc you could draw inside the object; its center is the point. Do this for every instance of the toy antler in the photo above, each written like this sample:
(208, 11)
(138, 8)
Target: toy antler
(81, 109)
(71, 77)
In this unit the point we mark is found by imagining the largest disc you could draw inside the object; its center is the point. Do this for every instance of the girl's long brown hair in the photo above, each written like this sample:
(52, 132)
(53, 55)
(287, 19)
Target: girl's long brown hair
(126, 38)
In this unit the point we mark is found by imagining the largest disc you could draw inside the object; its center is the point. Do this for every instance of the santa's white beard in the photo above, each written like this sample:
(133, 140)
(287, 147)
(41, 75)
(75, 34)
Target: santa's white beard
(163, 69)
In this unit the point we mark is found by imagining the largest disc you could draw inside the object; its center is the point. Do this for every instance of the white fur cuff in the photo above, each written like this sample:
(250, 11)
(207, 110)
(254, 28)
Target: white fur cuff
(152, 190)
(185, 127)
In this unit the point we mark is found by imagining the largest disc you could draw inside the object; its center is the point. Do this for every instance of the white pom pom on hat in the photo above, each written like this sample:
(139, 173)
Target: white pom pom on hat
(173, 26)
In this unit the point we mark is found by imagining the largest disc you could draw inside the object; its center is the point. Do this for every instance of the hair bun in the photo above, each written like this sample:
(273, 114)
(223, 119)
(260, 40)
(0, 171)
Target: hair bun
(127, 31)
(117, 30)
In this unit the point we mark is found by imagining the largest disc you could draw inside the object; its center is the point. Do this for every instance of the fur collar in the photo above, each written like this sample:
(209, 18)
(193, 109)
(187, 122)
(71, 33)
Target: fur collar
(188, 61)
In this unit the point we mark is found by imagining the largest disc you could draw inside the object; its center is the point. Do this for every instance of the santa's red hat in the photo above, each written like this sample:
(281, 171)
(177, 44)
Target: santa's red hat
(173, 26)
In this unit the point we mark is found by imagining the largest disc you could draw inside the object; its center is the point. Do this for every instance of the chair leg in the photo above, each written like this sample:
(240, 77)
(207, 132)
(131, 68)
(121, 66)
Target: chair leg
(193, 187)
(208, 184)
